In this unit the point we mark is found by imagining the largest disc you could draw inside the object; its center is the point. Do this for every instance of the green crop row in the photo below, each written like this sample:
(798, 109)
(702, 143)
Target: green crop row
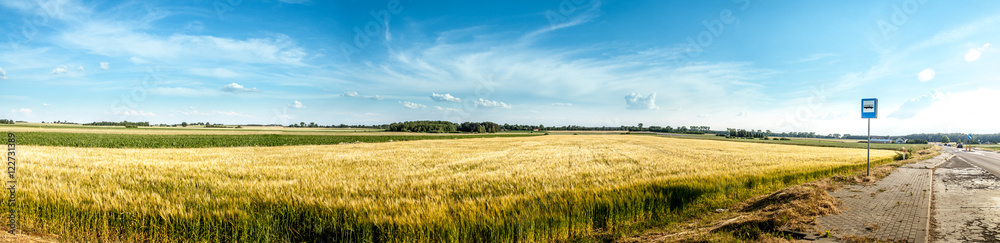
(206, 141)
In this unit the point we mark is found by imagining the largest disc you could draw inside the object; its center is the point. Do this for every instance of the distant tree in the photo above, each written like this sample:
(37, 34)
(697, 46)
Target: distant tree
(184, 124)
(640, 126)
(945, 139)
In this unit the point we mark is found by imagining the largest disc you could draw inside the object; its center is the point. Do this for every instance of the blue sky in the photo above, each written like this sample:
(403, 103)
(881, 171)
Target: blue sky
(770, 65)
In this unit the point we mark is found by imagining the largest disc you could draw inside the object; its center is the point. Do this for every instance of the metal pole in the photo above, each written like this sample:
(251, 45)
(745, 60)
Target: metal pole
(868, 172)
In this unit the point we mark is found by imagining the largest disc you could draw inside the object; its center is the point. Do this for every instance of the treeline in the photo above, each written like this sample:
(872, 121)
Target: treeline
(313, 124)
(423, 126)
(121, 123)
(957, 137)
(445, 127)
(479, 127)
(5, 121)
(743, 133)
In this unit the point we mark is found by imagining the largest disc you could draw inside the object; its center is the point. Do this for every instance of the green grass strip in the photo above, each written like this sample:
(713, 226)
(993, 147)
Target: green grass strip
(98, 140)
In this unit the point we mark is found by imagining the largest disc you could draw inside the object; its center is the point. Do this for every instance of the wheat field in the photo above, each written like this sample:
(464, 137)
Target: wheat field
(485, 189)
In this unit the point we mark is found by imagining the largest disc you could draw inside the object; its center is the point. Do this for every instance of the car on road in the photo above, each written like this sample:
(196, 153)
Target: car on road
(958, 146)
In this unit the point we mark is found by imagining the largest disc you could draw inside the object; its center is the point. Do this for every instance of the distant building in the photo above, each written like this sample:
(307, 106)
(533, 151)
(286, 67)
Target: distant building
(901, 140)
(881, 140)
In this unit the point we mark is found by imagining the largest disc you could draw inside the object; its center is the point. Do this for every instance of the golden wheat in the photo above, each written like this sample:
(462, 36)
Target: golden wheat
(415, 187)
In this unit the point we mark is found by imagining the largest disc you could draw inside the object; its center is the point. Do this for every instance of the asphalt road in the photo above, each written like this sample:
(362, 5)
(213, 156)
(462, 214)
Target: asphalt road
(989, 161)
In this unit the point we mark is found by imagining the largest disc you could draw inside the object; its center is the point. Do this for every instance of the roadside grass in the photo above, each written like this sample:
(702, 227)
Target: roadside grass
(770, 217)
(111, 140)
(910, 148)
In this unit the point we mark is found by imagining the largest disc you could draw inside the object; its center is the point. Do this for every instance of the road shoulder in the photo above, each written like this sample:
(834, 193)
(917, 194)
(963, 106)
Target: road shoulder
(966, 203)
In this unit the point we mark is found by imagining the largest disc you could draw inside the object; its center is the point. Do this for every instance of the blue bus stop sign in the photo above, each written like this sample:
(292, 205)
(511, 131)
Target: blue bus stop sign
(869, 108)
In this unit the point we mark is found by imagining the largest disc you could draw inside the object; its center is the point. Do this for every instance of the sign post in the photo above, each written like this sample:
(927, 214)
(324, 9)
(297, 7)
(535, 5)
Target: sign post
(869, 110)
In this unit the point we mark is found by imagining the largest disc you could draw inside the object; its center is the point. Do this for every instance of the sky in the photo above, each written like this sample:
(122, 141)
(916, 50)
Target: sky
(769, 65)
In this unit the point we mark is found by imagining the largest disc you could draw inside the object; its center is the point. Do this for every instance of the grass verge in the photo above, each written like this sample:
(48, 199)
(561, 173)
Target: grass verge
(771, 217)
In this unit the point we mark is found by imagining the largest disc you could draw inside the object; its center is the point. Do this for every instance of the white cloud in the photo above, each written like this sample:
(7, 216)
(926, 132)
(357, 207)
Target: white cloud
(356, 95)
(562, 104)
(491, 104)
(297, 105)
(237, 88)
(24, 111)
(444, 98)
(59, 70)
(45, 104)
(412, 105)
(635, 101)
(926, 75)
(132, 112)
(3, 74)
(913, 106)
(81, 69)
(105, 65)
(975, 53)
(181, 91)
(743, 114)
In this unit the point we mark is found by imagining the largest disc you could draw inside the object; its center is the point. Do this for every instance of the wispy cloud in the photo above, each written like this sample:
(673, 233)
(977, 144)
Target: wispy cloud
(132, 112)
(817, 57)
(448, 109)
(412, 105)
(237, 88)
(181, 91)
(562, 104)
(297, 105)
(3, 74)
(23, 111)
(491, 104)
(191, 111)
(59, 70)
(356, 95)
(215, 72)
(105, 65)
